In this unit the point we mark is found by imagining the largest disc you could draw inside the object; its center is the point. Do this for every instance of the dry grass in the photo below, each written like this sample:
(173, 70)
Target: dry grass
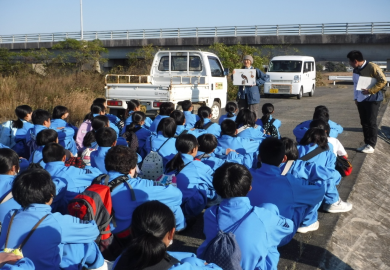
(75, 91)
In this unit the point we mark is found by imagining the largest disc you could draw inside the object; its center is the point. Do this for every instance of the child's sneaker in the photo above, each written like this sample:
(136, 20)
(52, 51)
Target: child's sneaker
(310, 228)
(338, 207)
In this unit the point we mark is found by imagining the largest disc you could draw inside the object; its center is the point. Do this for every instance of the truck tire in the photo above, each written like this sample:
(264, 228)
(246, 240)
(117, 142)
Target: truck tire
(299, 96)
(216, 112)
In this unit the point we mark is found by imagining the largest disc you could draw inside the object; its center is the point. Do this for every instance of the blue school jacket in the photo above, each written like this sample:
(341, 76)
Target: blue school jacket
(97, 158)
(77, 256)
(167, 151)
(154, 125)
(129, 120)
(44, 248)
(215, 162)
(191, 119)
(142, 135)
(6, 182)
(241, 145)
(224, 117)
(22, 264)
(259, 232)
(37, 157)
(300, 130)
(293, 196)
(77, 179)
(68, 142)
(188, 261)
(214, 129)
(256, 134)
(196, 183)
(20, 137)
(112, 123)
(195, 132)
(277, 124)
(113, 118)
(144, 191)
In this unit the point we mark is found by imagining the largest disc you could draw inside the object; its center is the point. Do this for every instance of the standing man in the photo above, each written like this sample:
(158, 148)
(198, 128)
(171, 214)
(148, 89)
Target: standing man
(367, 100)
(249, 96)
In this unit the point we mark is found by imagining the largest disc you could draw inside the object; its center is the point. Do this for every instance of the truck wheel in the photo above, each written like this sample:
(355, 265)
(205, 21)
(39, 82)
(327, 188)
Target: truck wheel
(311, 93)
(216, 112)
(299, 96)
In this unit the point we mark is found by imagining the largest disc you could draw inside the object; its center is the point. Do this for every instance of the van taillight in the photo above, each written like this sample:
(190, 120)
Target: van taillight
(114, 103)
(156, 104)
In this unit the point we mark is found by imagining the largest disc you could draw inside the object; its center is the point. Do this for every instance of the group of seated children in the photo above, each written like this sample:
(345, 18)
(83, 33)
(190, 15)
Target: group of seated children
(252, 183)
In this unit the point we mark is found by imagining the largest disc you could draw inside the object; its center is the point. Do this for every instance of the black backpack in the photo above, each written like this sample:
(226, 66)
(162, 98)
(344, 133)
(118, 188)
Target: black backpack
(270, 128)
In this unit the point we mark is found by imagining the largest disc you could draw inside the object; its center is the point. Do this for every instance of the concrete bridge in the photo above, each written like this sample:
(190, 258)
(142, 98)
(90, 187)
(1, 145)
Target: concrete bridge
(325, 42)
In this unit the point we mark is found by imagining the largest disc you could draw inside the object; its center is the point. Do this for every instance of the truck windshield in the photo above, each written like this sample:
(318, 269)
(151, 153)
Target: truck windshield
(285, 66)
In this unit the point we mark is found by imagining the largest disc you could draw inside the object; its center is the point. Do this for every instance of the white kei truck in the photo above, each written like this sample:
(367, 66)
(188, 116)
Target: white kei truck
(175, 76)
(291, 75)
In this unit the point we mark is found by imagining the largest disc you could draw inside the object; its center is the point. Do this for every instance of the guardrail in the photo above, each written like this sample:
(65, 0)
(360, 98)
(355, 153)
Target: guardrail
(223, 31)
(349, 78)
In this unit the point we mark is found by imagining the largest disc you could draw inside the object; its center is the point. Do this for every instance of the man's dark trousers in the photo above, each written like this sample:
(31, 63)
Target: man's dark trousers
(368, 112)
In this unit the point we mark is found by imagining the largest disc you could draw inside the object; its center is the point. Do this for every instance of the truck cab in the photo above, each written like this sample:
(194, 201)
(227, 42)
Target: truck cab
(291, 75)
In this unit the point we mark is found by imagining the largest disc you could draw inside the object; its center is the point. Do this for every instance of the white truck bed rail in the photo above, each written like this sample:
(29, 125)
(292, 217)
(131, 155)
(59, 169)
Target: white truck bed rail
(349, 79)
(127, 79)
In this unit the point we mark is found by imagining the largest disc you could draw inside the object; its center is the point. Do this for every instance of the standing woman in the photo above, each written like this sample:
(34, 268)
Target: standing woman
(249, 96)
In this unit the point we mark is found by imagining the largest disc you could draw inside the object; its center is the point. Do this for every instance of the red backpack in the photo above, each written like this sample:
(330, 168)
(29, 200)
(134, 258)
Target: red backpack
(95, 203)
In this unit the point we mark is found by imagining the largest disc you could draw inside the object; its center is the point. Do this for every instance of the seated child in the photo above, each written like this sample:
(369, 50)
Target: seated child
(22, 124)
(105, 138)
(137, 125)
(165, 110)
(191, 118)
(44, 137)
(268, 110)
(60, 113)
(293, 196)
(231, 109)
(192, 176)
(34, 191)
(115, 122)
(181, 128)
(153, 229)
(247, 128)
(132, 107)
(86, 126)
(258, 230)
(205, 123)
(320, 112)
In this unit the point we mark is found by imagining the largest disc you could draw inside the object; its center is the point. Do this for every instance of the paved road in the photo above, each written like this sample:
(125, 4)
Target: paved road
(305, 250)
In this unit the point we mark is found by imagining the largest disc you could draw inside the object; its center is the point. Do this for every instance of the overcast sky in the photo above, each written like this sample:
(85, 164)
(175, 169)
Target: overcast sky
(48, 16)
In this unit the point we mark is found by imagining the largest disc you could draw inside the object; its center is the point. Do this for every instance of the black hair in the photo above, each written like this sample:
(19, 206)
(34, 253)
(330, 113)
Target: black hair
(21, 112)
(232, 180)
(39, 116)
(95, 109)
(8, 158)
(46, 136)
(98, 122)
(120, 159)
(355, 55)
(272, 151)
(203, 113)
(178, 116)
(166, 108)
(167, 126)
(59, 111)
(316, 136)
(101, 101)
(186, 105)
(321, 112)
(267, 110)
(207, 143)
(184, 144)
(53, 152)
(105, 137)
(231, 108)
(132, 105)
(291, 148)
(33, 186)
(318, 123)
(151, 221)
(228, 127)
(137, 118)
(246, 117)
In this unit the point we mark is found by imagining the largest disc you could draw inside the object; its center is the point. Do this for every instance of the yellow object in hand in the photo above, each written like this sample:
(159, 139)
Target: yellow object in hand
(17, 251)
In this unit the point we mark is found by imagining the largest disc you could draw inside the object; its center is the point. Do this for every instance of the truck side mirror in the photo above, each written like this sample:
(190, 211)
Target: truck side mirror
(226, 72)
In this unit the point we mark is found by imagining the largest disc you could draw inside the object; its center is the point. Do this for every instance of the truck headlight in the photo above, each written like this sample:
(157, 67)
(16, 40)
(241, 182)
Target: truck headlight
(267, 78)
(297, 78)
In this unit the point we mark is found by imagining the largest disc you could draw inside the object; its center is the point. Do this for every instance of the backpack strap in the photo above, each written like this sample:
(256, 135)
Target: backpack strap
(183, 167)
(161, 145)
(8, 197)
(237, 224)
(272, 121)
(119, 180)
(312, 154)
(207, 125)
(98, 180)
(287, 167)
(241, 129)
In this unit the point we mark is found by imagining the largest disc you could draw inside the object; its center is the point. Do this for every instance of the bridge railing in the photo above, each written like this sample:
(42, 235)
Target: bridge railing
(220, 31)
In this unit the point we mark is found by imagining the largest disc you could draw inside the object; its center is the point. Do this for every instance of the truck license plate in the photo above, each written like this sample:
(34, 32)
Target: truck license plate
(274, 91)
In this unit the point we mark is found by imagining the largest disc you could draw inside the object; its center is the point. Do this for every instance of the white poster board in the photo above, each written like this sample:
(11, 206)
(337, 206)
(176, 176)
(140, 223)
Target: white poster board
(365, 83)
(244, 77)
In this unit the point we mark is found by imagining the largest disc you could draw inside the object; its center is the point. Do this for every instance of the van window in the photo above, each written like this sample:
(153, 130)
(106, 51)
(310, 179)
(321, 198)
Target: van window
(179, 63)
(285, 66)
(308, 66)
(215, 66)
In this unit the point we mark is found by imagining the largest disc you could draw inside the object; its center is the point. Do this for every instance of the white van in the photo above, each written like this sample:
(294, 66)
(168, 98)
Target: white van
(291, 75)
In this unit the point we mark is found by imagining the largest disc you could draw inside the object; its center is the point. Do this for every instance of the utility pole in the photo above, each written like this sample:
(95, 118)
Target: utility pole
(81, 19)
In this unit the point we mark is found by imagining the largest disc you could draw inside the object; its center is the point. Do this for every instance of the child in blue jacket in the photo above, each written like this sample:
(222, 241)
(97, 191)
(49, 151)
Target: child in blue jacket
(205, 123)
(115, 122)
(192, 176)
(153, 229)
(132, 107)
(322, 113)
(293, 196)
(258, 229)
(34, 190)
(247, 128)
(267, 110)
(165, 110)
(231, 109)
(44, 137)
(105, 138)
(164, 141)
(22, 124)
(60, 113)
(191, 118)
(181, 127)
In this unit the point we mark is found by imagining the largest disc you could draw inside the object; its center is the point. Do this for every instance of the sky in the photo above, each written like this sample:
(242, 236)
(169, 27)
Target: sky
(50, 16)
